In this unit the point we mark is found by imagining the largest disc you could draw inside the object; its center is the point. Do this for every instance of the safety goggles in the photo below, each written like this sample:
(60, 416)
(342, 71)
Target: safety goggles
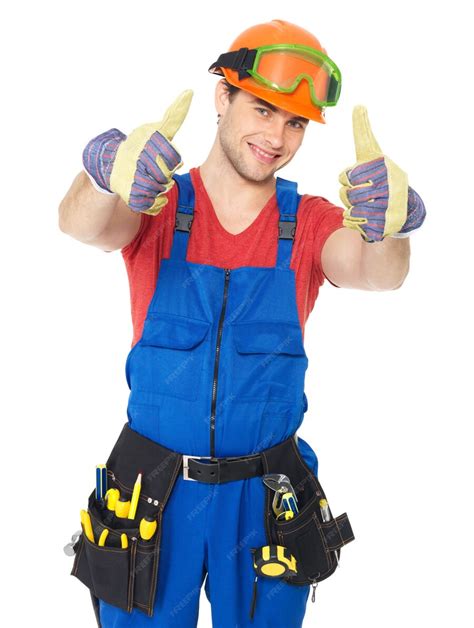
(282, 67)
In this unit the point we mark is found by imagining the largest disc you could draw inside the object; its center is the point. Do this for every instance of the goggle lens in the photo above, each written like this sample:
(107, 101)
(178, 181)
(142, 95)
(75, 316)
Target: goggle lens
(284, 69)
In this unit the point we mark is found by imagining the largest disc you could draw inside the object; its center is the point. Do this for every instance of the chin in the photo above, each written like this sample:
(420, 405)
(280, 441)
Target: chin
(256, 177)
(250, 172)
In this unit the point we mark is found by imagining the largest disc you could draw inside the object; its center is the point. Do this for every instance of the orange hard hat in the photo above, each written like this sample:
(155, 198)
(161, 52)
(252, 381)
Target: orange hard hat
(284, 65)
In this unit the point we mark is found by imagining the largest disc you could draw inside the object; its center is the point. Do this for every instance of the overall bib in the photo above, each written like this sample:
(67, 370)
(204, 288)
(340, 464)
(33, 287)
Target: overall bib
(219, 371)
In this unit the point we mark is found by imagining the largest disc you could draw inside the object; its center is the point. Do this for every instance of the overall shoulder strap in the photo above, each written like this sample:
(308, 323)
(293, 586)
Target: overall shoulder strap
(184, 215)
(288, 201)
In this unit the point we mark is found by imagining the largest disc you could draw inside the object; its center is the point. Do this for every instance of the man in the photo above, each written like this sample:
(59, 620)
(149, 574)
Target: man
(224, 269)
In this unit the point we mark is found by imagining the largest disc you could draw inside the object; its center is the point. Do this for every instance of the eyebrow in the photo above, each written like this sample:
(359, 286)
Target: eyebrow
(275, 109)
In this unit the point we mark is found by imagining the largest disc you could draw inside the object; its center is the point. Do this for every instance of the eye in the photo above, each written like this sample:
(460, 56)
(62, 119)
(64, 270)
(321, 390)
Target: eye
(295, 124)
(262, 110)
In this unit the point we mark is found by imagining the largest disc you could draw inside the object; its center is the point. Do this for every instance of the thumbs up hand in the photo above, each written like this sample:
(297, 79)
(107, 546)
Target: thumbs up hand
(139, 167)
(375, 190)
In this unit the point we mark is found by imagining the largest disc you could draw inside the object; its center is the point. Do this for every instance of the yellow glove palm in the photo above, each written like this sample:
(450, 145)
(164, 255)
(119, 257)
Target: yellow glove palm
(375, 189)
(146, 161)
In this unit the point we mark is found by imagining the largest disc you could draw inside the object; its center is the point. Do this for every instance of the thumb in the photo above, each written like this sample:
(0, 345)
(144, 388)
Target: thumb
(366, 145)
(175, 115)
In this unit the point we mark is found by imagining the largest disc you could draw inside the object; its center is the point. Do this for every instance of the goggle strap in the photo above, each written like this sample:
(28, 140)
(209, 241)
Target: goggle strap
(238, 60)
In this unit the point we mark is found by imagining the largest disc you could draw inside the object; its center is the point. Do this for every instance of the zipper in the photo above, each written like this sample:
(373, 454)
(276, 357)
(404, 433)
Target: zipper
(216, 363)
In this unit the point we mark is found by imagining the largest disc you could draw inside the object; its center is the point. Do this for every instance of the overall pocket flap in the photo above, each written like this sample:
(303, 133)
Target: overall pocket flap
(268, 337)
(337, 532)
(173, 332)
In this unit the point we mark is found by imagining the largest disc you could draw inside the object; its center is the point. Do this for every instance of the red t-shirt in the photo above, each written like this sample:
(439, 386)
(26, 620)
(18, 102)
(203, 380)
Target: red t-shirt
(210, 243)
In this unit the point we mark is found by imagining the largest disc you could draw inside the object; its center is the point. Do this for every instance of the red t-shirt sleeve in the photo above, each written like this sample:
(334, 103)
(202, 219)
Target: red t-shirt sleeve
(151, 227)
(327, 219)
(145, 224)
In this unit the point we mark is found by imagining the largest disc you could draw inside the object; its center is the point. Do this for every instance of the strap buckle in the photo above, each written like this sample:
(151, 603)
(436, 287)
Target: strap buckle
(186, 465)
(183, 221)
(287, 229)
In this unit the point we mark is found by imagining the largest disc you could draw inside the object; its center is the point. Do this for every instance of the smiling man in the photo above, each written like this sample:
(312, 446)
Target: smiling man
(225, 264)
(272, 134)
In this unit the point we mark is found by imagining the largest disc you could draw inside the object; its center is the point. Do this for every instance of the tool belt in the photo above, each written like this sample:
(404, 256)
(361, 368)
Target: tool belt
(127, 577)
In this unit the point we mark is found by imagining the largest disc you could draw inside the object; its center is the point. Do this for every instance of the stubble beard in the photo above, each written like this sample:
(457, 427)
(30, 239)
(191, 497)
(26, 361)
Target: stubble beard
(233, 155)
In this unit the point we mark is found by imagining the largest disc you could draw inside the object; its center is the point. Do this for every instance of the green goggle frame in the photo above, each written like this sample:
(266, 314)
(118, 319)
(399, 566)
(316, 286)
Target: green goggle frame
(282, 67)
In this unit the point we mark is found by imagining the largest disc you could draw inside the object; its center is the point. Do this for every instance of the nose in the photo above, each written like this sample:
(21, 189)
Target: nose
(275, 132)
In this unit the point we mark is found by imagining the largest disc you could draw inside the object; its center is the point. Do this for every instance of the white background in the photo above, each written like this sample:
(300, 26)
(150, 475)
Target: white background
(390, 377)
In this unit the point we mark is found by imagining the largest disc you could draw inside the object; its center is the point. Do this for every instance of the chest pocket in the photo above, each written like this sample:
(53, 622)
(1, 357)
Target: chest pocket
(268, 360)
(168, 358)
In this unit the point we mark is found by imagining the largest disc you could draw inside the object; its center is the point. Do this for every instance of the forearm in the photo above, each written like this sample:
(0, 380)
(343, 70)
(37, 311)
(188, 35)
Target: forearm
(385, 264)
(84, 213)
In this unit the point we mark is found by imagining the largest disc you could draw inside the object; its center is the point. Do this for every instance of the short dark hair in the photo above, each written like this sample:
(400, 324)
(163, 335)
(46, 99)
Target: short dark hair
(232, 89)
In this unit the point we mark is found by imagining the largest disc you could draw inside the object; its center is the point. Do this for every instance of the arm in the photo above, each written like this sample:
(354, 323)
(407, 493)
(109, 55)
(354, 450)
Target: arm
(129, 176)
(382, 208)
(350, 262)
(101, 220)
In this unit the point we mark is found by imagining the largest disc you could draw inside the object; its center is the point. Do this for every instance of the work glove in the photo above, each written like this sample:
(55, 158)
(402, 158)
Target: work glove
(375, 190)
(139, 167)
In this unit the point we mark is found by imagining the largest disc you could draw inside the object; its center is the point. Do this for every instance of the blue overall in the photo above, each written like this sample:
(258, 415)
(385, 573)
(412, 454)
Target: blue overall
(219, 371)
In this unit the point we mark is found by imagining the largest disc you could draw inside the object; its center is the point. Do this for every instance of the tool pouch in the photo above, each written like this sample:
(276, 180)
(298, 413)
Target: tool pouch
(316, 545)
(127, 577)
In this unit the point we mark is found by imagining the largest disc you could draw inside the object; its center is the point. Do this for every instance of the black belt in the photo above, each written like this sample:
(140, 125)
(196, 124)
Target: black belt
(219, 470)
(163, 464)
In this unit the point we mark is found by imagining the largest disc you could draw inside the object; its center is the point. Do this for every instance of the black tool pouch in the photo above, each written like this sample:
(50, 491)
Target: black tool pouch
(127, 577)
(315, 544)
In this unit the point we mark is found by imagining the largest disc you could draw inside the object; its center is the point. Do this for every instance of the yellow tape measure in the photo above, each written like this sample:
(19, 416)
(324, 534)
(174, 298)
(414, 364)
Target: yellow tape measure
(274, 561)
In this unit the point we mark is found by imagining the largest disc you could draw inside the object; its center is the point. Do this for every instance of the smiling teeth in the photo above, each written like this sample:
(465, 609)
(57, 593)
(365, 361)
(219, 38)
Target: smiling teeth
(261, 152)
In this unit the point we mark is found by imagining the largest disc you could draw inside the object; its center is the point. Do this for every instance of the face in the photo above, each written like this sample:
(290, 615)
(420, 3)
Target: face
(257, 138)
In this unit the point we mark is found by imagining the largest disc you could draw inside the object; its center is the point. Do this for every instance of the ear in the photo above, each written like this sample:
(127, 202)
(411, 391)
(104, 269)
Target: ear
(221, 97)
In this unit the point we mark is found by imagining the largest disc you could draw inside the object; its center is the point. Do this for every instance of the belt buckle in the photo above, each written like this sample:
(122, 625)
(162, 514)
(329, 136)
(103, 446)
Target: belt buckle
(186, 466)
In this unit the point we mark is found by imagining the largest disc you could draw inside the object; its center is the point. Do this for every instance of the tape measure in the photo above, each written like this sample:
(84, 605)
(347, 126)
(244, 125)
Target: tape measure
(274, 561)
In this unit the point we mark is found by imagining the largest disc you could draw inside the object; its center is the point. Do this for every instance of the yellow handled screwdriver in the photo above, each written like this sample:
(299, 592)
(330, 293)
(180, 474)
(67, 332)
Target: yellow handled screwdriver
(87, 525)
(111, 497)
(148, 527)
(122, 507)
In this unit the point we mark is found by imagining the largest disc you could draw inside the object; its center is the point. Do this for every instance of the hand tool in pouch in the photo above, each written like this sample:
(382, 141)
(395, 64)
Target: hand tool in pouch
(69, 547)
(326, 517)
(284, 501)
(148, 527)
(111, 498)
(122, 508)
(87, 525)
(100, 481)
(108, 509)
(103, 536)
(135, 495)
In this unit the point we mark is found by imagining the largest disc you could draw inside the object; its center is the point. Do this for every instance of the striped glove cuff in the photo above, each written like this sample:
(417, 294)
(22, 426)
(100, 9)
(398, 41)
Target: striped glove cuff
(99, 155)
(416, 214)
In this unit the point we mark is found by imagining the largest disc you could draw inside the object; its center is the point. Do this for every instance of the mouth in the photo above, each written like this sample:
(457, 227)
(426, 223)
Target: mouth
(262, 155)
